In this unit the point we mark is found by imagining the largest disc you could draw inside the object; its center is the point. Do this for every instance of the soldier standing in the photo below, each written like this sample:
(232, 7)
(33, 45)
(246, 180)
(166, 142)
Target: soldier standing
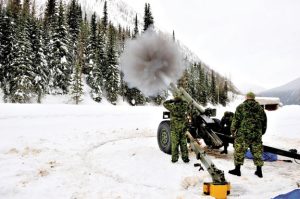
(178, 108)
(248, 125)
(225, 124)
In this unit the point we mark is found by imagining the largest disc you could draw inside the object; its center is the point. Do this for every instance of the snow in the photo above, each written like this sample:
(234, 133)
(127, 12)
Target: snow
(103, 151)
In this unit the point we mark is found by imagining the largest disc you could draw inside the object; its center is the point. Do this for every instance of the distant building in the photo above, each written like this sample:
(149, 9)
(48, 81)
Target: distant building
(269, 103)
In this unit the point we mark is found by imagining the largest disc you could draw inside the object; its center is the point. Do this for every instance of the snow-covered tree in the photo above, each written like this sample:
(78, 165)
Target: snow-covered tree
(61, 68)
(39, 62)
(213, 92)
(21, 78)
(77, 84)
(148, 18)
(136, 27)
(112, 75)
(104, 19)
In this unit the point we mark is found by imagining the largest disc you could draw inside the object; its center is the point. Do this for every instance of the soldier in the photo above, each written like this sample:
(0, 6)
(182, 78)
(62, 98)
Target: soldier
(225, 124)
(178, 109)
(248, 125)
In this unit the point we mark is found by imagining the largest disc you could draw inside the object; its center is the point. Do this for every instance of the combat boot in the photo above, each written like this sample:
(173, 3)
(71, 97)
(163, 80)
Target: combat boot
(186, 160)
(236, 171)
(258, 172)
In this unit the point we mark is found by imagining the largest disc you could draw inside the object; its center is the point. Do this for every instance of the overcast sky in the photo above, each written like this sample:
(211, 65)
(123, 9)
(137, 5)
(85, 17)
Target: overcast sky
(253, 41)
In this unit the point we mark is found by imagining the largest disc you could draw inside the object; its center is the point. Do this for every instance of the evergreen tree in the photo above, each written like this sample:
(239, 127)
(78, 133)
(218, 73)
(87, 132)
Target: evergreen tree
(112, 74)
(21, 79)
(50, 15)
(173, 36)
(74, 19)
(183, 81)
(1, 7)
(201, 86)
(104, 20)
(61, 64)
(92, 46)
(85, 33)
(77, 83)
(39, 62)
(95, 60)
(192, 81)
(136, 27)
(148, 18)
(224, 93)
(7, 34)
(213, 92)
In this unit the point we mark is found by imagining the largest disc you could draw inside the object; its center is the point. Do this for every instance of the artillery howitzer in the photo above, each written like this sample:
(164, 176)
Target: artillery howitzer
(202, 125)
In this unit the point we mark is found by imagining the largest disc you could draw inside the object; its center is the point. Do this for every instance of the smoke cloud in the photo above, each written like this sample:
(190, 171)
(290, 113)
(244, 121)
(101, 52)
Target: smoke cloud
(151, 62)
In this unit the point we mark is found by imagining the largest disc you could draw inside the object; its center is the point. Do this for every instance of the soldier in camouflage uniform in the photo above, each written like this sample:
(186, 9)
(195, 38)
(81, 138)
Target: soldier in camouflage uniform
(225, 125)
(248, 125)
(178, 109)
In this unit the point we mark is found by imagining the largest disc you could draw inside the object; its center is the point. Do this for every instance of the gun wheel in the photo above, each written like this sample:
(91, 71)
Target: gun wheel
(164, 137)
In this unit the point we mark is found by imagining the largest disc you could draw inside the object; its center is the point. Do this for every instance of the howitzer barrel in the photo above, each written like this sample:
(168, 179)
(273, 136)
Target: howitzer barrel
(181, 92)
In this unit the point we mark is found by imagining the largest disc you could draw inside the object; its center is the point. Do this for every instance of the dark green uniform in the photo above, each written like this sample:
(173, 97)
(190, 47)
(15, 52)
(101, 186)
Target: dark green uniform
(248, 125)
(178, 109)
(225, 128)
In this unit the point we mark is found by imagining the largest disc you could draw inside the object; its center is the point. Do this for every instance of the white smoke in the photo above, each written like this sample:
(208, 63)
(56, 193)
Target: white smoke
(150, 62)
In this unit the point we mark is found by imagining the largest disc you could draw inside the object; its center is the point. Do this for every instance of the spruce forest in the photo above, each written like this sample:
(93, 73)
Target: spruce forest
(64, 50)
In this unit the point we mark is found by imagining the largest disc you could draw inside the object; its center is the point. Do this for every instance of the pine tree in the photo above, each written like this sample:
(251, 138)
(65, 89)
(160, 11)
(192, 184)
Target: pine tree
(223, 93)
(201, 86)
(136, 27)
(74, 20)
(1, 7)
(61, 63)
(91, 46)
(39, 62)
(21, 79)
(104, 20)
(183, 81)
(192, 81)
(214, 95)
(50, 15)
(95, 60)
(148, 18)
(77, 83)
(173, 36)
(112, 74)
(7, 34)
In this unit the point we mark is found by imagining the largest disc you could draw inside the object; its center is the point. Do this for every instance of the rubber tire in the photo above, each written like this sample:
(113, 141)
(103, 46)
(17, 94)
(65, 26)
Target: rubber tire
(164, 137)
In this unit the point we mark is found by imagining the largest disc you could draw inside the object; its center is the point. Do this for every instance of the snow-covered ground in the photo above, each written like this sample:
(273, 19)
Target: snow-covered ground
(103, 151)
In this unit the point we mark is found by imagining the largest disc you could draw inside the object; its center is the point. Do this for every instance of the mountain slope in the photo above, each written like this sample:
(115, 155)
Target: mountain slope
(288, 93)
(119, 12)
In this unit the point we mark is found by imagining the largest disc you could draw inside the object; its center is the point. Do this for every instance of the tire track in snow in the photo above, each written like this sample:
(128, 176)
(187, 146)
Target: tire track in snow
(117, 178)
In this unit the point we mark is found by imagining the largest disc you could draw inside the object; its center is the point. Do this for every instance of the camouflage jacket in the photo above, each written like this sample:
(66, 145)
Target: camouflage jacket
(250, 120)
(178, 108)
(226, 122)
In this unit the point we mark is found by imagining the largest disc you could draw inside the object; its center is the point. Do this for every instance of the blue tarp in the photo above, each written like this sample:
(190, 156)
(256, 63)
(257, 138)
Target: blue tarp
(269, 157)
(291, 195)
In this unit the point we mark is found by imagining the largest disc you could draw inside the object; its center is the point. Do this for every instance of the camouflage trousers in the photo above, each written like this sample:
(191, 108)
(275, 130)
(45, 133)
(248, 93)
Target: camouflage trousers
(178, 139)
(240, 147)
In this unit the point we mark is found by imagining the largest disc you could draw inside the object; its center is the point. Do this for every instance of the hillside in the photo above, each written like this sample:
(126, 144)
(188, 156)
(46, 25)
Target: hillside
(288, 93)
(53, 62)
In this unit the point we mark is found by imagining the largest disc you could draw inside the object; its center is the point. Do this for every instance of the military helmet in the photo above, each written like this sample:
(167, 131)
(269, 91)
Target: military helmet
(250, 95)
